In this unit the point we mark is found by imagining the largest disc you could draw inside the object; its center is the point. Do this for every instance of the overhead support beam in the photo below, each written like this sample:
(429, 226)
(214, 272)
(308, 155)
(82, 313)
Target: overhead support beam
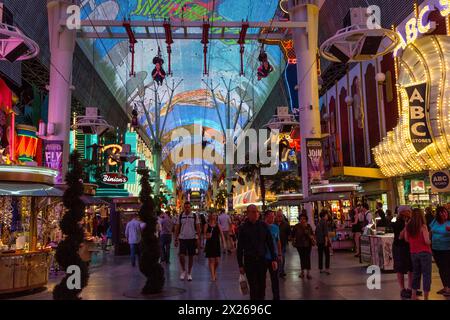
(193, 24)
(182, 36)
(183, 29)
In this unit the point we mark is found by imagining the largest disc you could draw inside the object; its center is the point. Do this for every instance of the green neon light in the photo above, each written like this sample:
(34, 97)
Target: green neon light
(25, 159)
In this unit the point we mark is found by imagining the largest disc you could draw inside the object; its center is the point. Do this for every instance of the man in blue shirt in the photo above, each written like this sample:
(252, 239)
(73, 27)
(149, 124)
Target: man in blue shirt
(269, 218)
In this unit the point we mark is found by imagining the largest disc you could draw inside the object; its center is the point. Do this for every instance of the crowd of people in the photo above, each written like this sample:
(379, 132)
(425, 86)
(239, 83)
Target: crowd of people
(261, 241)
(417, 239)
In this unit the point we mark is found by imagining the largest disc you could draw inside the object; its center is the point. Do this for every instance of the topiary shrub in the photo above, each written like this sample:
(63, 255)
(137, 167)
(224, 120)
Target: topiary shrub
(67, 253)
(150, 251)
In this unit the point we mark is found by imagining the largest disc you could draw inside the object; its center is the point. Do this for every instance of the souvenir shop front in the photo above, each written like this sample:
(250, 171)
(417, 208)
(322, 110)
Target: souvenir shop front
(419, 146)
(30, 210)
(290, 205)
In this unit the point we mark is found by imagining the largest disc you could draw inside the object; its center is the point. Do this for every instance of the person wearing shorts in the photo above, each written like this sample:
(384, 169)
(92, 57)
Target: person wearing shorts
(187, 236)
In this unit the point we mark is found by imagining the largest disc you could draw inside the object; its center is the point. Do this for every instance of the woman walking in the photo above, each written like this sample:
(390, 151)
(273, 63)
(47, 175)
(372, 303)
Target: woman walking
(304, 241)
(419, 245)
(323, 242)
(213, 234)
(440, 239)
(356, 230)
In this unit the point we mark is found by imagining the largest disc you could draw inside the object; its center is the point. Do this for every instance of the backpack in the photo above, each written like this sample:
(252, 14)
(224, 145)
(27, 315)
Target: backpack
(195, 219)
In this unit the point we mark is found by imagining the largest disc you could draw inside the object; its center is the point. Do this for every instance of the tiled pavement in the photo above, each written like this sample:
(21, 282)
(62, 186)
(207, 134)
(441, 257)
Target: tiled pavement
(116, 279)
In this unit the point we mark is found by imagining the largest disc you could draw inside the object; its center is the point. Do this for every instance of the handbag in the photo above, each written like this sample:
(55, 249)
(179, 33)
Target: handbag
(243, 284)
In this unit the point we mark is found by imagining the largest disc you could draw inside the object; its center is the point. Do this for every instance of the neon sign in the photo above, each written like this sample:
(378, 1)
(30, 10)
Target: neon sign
(420, 25)
(114, 178)
(114, 154)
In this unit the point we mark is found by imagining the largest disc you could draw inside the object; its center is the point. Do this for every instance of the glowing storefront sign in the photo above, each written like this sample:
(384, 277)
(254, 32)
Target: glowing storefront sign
(53, 151)
(421, 139)
(415, 27)
(114, 178)
(420, 25)
(418, 116)
(114, 153)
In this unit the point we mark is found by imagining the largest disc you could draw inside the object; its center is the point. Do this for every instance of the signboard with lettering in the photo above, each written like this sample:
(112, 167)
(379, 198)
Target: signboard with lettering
(414, 27)
(113, 178)
(53, 155)
(418, 186)
(316, 169)
(440, 181)
(418, 116)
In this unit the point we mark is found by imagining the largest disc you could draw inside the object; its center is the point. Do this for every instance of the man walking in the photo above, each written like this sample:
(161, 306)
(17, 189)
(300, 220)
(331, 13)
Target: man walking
(269, 218)
(187, 234)
(133, 233)
(225, 223)
(166, 236)
(253, 239)
(285, 231)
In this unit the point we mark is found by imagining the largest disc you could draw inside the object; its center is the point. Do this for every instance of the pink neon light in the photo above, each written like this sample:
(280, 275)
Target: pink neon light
(12, 147)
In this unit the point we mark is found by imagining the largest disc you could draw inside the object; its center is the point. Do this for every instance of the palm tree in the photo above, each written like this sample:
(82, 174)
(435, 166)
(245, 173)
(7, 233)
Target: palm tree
(284, 182)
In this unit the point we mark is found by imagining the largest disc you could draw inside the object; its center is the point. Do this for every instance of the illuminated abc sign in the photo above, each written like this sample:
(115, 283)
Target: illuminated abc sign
(420, 25)
(418, 116)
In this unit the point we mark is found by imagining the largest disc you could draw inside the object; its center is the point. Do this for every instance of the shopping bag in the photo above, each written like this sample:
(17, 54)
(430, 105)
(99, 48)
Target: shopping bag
(243, 284)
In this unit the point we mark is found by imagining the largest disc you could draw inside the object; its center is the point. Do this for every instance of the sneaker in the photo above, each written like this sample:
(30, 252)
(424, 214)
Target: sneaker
(189, 277)
(327, 272)
(183, 275)
(442, 291)
(405, 294)
(418, 292)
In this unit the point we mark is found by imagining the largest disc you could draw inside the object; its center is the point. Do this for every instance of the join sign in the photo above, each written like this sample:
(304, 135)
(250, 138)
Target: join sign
(420, 25)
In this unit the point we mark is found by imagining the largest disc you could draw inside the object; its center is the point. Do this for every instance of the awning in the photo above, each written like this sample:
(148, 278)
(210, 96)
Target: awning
(29, 189)
(92, 201)
(357, 173)
(245, 199)
(328, 197)
(287, 200)
(286, 203)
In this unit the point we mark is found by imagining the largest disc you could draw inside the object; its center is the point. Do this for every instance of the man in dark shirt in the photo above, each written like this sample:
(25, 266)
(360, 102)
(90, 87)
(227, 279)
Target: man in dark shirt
(429, 217)
(285, 231)
(254, 238)
(400, 251)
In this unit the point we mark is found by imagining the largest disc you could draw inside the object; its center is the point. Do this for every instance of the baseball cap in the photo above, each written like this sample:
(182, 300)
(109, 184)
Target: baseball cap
(403, 208)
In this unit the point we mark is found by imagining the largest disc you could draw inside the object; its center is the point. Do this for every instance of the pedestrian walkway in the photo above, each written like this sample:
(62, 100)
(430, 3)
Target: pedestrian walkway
(116, 277)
